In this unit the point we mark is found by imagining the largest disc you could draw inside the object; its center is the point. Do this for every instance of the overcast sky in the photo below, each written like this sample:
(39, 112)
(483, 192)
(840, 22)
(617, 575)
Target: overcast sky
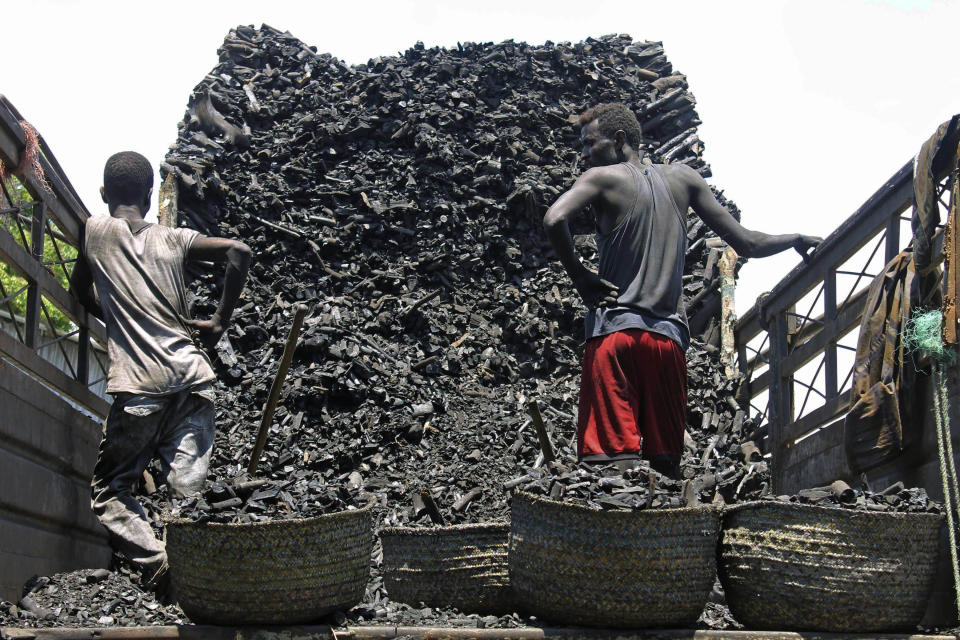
(807, 107)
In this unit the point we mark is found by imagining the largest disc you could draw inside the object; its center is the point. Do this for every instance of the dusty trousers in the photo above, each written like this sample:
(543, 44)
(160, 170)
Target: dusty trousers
(177, 429)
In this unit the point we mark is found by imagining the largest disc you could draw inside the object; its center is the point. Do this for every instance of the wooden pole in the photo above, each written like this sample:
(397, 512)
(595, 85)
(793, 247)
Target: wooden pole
(278, 379)
(167, 202)
(533, 409)
(728, 316)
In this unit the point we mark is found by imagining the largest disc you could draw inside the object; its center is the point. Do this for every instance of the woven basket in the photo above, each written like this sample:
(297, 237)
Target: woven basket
(462, 566)
(640, 569)
(284, 571)
(805, 567)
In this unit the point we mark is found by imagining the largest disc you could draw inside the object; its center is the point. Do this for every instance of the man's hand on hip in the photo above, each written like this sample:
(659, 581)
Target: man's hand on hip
(206, 332)
(595, 291)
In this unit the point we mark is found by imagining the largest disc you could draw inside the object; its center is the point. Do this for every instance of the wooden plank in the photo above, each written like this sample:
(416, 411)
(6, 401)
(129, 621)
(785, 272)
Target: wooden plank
(780, 394)
(760, 383)
(830, 411)
(389, 632)
(24, 357)
(38, 420)
(27, 550)
(27, 267)
(815, 461)
(44, 494)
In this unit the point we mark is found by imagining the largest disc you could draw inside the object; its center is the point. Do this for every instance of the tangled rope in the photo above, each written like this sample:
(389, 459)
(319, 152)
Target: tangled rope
(923, 334)
(29, 160)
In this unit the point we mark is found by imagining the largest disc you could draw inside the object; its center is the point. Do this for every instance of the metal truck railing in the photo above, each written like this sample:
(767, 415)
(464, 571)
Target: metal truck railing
(50, 419)
(796, 346)
(42, 218)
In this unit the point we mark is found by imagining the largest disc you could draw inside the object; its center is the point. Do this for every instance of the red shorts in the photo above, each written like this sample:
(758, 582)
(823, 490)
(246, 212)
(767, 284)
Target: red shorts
(633, 396)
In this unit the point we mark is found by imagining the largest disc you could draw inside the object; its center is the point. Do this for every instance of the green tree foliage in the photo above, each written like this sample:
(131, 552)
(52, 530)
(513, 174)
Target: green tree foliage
(9, 279)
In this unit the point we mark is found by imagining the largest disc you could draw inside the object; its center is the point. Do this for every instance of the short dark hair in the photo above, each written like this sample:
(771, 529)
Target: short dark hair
(127, 178)
(611, 117)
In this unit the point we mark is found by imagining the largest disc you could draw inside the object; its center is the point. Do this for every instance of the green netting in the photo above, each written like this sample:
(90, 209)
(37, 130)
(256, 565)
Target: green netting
(923, 334)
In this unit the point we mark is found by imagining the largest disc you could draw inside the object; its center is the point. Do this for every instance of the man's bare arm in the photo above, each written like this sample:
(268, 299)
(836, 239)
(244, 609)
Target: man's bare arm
(237, 256)
(746, 242)
(81, 282)
(586, 190)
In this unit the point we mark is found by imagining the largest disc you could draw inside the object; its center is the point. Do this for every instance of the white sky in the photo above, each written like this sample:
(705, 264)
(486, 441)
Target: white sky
(808, 106)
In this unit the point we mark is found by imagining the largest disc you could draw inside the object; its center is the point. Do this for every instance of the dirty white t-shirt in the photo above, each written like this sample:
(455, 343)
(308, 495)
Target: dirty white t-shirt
(139, 280)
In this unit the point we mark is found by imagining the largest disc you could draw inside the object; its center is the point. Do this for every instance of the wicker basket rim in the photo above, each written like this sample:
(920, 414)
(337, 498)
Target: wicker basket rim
(477, 527)
(621, 513)
(757, 505)
(347, 514)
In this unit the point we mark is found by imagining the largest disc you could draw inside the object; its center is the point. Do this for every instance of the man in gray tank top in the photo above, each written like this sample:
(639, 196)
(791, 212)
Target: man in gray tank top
(633, 388)
(159, 378)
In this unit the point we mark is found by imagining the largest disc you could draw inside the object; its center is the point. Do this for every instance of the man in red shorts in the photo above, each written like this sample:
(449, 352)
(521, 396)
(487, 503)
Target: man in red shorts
(633, 391)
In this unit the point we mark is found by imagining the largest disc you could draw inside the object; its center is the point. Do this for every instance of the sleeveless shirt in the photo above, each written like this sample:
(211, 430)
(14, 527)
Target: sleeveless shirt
(644, 256)
(140, 283)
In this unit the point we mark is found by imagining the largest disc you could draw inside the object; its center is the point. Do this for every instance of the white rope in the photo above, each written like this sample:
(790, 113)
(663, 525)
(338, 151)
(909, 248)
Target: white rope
(948, 472)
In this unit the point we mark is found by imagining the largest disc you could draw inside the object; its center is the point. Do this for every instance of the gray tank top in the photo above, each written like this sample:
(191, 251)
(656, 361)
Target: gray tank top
(644, 257)
(139, 280)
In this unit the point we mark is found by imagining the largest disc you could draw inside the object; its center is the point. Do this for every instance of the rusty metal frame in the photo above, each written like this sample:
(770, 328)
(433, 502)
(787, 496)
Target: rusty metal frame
(794, 344)
(56, 215)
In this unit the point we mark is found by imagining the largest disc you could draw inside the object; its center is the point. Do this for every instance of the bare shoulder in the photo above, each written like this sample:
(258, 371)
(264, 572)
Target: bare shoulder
(605, 177)
(680, 174)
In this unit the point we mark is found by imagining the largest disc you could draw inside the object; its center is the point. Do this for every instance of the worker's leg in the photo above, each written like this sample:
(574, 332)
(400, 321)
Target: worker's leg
(659, 367)
(187, 441)
(607, 424)
(129, 439)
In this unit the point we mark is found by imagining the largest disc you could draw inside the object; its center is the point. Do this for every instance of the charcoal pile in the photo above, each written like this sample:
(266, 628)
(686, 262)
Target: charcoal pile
(245, 500)
(721, 462)
(402, 200)
(89, 597)
(895, 498)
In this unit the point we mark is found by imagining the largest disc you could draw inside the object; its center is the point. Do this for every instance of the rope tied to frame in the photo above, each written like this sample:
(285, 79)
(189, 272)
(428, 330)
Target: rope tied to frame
(29, 159)
(923, 334)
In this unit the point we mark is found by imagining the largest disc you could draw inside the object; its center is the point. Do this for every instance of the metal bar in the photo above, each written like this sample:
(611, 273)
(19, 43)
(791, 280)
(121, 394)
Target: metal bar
(830, 319)
(10, 297)
(32, 315)
(810, 344)
(843, 346)
(49, 263)
(892, 236)
(83, 355)
(830, 411)
(34, 293)
(93, 382)
(10, 310)
(18, 209)
(860, 274)
(36, 230)
(58, 342)
(56, 249)
(59, 338)
(810, 388)
(29, 360)
(847, 378)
